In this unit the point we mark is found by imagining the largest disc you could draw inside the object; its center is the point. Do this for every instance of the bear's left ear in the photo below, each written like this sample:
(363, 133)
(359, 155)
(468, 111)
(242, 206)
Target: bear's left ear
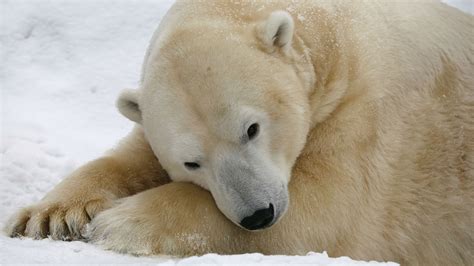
(277, 31)
(128, 105)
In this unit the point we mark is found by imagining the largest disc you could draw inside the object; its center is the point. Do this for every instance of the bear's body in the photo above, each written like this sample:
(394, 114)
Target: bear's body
(383, 111)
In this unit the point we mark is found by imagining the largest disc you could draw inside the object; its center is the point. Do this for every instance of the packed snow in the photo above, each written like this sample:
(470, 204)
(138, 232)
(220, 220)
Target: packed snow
(63, 64)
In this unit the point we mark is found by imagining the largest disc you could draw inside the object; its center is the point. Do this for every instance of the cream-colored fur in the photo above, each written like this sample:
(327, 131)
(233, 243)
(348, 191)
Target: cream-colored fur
(370, 105)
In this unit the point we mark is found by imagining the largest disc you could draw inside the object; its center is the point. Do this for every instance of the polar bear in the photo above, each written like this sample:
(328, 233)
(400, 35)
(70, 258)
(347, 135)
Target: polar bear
(345, 126)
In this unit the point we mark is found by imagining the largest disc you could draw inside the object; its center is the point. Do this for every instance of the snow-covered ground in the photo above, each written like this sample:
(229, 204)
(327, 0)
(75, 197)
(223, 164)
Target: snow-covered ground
(62, 65)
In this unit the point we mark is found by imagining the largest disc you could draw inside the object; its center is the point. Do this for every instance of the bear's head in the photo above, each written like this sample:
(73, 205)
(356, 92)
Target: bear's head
(225, 106)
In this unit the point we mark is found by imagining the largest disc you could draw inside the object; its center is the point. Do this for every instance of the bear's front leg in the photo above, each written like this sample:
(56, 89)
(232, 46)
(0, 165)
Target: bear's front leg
(63, 212)
(177, 219)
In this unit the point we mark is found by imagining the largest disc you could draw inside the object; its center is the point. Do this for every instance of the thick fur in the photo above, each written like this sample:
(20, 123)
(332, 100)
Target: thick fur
(379, 94)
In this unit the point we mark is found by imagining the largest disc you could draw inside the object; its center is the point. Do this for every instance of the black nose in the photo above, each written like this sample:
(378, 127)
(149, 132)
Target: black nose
(259, 219)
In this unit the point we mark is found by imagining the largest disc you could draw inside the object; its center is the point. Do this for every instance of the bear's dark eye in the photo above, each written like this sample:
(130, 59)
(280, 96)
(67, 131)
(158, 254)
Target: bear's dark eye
(191, 166)
(252, 131)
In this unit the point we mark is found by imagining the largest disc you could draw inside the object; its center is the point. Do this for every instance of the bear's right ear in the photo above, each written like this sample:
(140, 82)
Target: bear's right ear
(277, 31)
(128, 105)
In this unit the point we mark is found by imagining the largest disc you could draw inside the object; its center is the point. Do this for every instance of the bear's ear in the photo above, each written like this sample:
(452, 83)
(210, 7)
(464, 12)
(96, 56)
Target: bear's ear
(127, 104)
(277, 31)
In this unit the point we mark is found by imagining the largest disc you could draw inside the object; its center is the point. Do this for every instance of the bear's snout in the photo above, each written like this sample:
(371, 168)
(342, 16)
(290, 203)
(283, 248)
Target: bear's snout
(260, 219)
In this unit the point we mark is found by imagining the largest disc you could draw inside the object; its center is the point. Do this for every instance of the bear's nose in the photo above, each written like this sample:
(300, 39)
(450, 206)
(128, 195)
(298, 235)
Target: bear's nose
(259, 219)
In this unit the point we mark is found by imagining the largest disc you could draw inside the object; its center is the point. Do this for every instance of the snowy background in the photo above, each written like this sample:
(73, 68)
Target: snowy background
(62, 65)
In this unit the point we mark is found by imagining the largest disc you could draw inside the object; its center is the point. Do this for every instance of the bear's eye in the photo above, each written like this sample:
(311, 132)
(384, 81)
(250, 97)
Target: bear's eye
(191, 165)
(252, 131)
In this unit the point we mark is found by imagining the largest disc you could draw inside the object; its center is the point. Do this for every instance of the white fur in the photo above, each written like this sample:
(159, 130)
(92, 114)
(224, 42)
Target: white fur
(128, 105)
(277, 30)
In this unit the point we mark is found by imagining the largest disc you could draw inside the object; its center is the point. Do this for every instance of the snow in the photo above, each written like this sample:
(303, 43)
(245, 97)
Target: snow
(63, 65)
(465, 5)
